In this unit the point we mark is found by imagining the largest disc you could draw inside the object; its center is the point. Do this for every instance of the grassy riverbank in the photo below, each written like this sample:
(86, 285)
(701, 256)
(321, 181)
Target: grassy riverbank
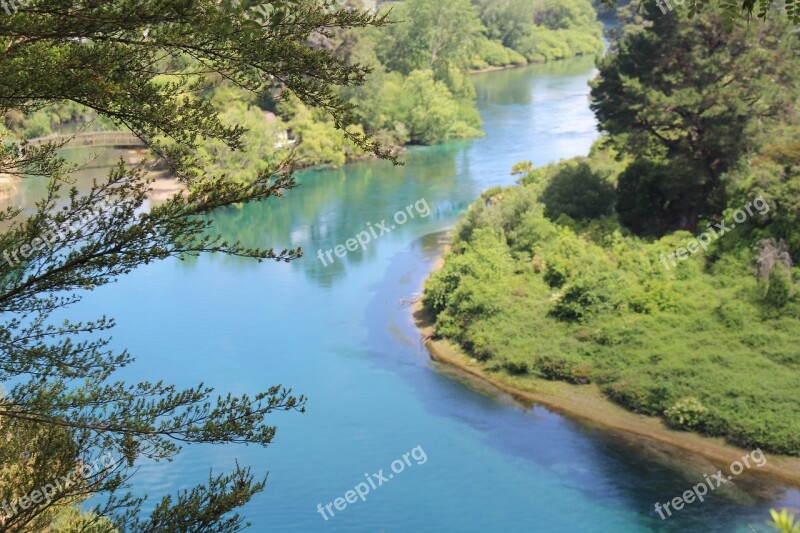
(662, 268)
(701, 345)
(588, 404)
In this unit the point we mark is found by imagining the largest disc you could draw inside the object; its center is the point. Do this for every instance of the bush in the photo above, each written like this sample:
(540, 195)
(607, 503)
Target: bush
(686, 413)
(557, 368)
(581, 373)
(517, 366)
(780, 288)
(585, 297)
(495, 54)
(38, 125)
(578, 192)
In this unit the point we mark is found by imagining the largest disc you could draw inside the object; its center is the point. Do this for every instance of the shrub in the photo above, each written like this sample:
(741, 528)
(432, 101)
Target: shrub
(495, 54)
(517, 366)
(585, 297)
(559, 368)
(581, 373)
(578, 192)
(686, 413)
(780, 288)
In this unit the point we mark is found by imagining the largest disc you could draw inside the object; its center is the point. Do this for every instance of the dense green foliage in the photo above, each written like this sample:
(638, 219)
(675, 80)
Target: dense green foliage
(686, 117)
(155, 67)
(417, 93)
(61, 118)
(546, 280)
(734, 11)
(543, 30)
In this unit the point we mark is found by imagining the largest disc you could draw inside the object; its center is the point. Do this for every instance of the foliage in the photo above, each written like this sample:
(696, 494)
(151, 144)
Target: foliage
(63, 406)
(736, 11)
(266, 141)
(319, 141)
(60, 118)
(589, 302)
(430, 112)
(418, 92)
(686, 413)
(784, 521)
(493, 53)
(432, 35)
(577, 191)
(71, 520)
(543, 31)
(774, 174)
(689, 116)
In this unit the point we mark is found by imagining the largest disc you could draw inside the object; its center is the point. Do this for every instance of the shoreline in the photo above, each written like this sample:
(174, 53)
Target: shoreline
(497, 68)
(589, 406)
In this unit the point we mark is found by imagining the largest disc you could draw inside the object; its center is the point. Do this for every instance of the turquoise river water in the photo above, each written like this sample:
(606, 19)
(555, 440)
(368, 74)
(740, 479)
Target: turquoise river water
(343, 335)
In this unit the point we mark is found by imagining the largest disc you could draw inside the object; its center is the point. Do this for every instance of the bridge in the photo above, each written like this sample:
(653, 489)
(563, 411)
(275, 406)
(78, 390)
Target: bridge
(116, 139)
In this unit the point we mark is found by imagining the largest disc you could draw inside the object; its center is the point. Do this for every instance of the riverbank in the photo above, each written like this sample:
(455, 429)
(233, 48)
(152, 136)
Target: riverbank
(496, 68)
(587, 404)
(512, 66)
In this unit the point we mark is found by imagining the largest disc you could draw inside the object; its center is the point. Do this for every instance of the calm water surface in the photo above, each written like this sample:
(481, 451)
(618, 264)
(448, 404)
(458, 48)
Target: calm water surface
(343, 336)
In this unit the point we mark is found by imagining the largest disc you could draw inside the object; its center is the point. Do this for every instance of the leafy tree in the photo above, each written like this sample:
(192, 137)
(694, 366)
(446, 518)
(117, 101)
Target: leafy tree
(578, 192)
(736, 10)
(507, 21)
(128, 62)
(319, 141)
(430, 112)
(689, 115)
(265, 137)
(774, 174)
(433, 35)
(543, 31)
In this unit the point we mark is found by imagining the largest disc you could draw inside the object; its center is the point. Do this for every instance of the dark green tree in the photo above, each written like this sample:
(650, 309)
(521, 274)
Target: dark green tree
(687, 99)
(145, 65)
(578, 192)
(733, 10)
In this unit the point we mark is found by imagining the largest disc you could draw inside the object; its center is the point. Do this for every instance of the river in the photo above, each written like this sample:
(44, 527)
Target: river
(342, 334)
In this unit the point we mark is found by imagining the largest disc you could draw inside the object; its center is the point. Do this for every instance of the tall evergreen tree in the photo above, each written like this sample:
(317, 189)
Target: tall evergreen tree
(147, 66)
(686, 99)
(733, 11)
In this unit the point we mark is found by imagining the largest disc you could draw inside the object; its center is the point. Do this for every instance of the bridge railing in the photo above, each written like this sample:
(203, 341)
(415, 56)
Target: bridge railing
(92, 138)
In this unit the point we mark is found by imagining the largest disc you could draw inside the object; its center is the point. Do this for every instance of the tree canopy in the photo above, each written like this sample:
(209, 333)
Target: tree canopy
(146, 66)
(734, 10)
(687, 117)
